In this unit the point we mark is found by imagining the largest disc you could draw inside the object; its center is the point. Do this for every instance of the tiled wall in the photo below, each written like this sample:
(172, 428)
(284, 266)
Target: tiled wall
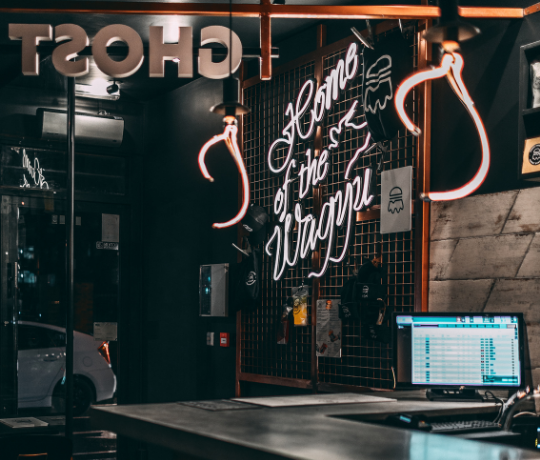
(485, 256)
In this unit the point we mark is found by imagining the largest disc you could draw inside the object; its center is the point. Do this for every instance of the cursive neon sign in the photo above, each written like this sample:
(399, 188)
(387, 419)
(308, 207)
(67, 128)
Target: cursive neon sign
(321, 100)
(340, 210)
(451, 67)
(34, 171)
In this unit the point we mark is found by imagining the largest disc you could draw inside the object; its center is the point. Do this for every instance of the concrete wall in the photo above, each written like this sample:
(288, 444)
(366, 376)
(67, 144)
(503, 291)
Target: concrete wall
(485, 257)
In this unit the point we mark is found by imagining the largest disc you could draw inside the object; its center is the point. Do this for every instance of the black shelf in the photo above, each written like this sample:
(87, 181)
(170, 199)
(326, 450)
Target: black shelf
(529, 112)
(528, 118)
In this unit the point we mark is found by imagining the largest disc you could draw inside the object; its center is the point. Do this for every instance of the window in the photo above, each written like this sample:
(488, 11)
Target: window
(33, 337)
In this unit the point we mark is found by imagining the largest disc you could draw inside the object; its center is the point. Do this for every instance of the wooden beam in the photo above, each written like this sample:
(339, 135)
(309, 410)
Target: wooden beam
(354, 12)
(531, 9)
(488, 12)
(237, 381)
(274, 380)
(423, 172)
(266, 43)
(252, 10)
(317, 205)
(369, 214)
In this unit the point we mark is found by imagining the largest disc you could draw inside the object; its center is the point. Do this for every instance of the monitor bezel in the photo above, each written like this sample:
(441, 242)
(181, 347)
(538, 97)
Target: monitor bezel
(417, 386)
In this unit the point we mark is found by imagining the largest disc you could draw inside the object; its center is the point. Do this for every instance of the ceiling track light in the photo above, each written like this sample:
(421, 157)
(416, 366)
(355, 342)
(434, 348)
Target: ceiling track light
(99, 89)
(114, 88)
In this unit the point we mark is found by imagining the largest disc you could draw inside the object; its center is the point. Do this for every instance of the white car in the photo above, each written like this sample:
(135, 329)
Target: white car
(41, 366)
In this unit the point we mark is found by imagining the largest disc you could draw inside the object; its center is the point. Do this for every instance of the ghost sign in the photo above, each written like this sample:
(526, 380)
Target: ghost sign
(72, 39)
(396, 200)
(385, 67)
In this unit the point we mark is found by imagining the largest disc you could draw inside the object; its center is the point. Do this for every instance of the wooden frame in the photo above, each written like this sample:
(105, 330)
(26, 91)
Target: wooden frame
(421, 210)
(265, 11)
(423, 173)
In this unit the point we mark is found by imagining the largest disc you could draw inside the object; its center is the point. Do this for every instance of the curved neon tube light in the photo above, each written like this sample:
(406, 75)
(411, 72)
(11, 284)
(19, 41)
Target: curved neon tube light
(354, 159)
(229, 136)
(451, 66)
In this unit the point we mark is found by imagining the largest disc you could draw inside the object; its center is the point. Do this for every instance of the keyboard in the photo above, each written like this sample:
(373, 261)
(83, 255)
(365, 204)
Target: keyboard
(464, 427)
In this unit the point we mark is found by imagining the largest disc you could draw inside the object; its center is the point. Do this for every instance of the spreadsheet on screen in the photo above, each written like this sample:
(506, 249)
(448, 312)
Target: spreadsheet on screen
(463, 350)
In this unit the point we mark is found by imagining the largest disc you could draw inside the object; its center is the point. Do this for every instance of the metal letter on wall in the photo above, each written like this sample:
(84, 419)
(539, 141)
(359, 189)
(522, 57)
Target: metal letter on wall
(181, 52)
(31, 35)
(396, 200)
(221, 35)
(114, 33)
(63, 55)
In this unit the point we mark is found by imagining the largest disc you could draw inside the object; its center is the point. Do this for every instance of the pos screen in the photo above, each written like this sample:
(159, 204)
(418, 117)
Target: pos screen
(442, 350)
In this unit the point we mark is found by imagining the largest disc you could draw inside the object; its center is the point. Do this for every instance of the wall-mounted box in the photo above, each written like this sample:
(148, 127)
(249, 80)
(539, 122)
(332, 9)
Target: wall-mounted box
(214, 290)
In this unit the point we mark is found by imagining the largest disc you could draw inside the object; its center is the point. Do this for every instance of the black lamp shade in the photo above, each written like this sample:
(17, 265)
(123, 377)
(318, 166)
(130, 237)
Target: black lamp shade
(450, 26)
(231, 96)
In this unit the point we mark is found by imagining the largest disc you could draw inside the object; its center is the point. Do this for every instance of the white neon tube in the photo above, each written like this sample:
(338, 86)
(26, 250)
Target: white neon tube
(229, 136)
(451, 66)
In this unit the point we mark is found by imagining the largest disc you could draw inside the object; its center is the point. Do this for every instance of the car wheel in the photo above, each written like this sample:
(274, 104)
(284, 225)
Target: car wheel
(83, 396)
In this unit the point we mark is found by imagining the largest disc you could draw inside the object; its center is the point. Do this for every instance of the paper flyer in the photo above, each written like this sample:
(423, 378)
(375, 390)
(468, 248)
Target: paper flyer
(328, 329)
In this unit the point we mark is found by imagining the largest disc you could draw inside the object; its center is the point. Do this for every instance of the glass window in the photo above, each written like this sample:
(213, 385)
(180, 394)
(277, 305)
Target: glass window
(31, 338)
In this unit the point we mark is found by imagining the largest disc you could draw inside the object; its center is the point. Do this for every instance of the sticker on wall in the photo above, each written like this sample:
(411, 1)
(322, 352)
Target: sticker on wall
(328, 329)
(105, 245)
(386, 66)
(396, 200)
(110, 228)
(106, 331)
(531, 157)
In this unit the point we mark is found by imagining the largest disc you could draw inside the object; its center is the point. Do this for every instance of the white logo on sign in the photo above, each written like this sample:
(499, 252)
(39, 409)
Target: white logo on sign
(251, 279)
(395, 204)
(379, 82)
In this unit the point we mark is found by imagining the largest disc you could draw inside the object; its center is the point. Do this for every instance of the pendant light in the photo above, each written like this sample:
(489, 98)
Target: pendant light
(230, 108)
(449, 32)
(450, 26)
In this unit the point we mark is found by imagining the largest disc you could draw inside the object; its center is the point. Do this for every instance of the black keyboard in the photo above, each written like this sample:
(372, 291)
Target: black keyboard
(464, 427)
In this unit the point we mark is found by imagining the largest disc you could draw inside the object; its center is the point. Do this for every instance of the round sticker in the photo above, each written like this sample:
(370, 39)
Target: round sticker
(534, 155)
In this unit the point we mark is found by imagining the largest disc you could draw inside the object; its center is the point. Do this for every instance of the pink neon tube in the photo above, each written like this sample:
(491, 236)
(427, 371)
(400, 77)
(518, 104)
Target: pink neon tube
(451, 66)
(229, 137)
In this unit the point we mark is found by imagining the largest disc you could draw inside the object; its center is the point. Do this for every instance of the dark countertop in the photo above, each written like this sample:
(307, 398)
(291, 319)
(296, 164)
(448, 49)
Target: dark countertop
(308, 433)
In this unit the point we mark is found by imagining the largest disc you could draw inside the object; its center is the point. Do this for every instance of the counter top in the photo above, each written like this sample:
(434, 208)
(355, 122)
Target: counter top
(307, 433)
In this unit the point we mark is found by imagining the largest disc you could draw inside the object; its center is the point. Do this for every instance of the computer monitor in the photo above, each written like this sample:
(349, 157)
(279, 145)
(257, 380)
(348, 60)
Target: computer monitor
(455, 350)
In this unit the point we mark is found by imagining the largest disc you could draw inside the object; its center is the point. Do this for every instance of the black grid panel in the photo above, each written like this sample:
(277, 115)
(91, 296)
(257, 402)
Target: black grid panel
(363, 362)
(260, 353)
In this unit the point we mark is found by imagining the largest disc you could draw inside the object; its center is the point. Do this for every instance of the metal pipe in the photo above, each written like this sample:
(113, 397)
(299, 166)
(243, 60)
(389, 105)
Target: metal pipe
(70, 252)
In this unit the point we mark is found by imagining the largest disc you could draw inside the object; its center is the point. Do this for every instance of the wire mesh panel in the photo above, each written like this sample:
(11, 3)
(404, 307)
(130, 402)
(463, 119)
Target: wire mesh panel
(260, 353)
(363, 362)
(366, 362)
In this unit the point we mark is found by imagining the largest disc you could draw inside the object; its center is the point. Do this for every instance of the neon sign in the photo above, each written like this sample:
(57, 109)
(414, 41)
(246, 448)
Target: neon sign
(340, 210)
(451, 67)
(34, 171)
(229, 136)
